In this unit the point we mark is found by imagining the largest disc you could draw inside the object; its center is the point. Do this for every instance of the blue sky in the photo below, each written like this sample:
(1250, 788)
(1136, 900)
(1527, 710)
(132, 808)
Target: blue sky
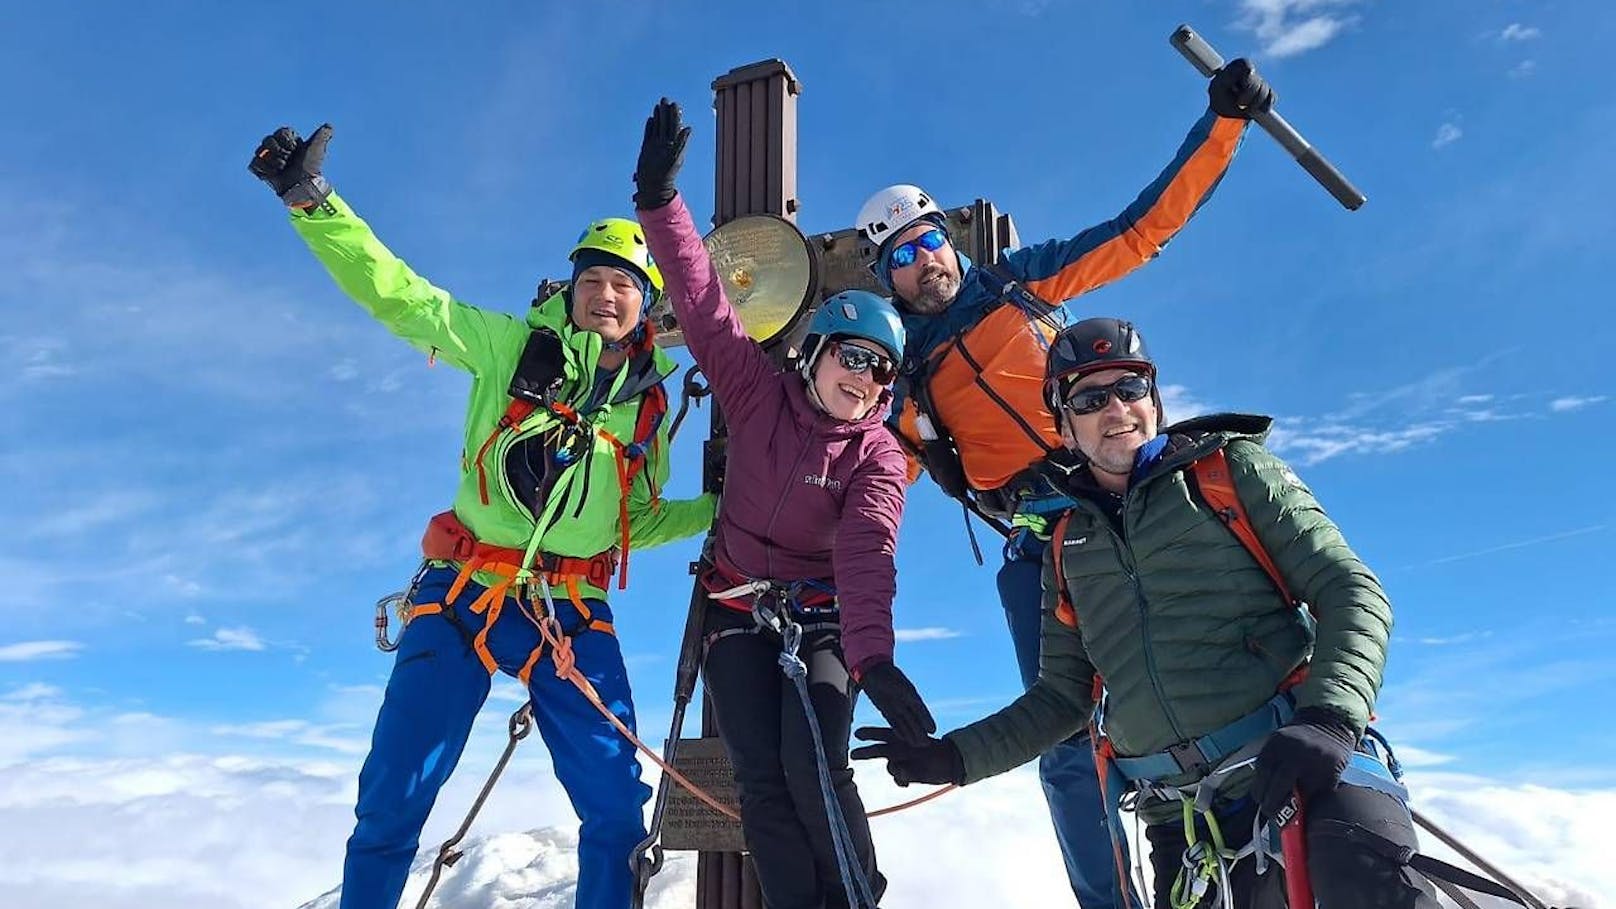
(217, 463)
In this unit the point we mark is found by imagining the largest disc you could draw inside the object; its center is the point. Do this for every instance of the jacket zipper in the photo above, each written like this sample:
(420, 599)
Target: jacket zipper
(768, 551)
(1131, 568)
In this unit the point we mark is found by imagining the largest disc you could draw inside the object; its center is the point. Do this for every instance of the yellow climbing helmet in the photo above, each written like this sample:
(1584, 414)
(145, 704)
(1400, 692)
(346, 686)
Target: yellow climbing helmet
(621, 239)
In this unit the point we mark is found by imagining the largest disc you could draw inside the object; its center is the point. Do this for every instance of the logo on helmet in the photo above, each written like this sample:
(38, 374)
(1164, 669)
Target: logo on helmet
(849, 310)
(1102, 346)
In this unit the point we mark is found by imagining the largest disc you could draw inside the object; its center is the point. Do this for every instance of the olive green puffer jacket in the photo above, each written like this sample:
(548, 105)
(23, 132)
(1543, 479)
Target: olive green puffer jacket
(1187, 630)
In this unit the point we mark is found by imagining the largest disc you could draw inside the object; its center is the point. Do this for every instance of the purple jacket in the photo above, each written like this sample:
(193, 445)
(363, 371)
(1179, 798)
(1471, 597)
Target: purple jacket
(806, 496)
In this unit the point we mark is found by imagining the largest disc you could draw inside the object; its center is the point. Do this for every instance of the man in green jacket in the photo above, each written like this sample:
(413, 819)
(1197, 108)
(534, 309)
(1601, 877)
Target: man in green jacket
(564, 455)
(1227, 686)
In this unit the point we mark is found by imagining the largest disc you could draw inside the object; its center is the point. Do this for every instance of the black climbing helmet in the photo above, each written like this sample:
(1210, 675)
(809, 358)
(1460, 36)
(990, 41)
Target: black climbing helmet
(1089, 346)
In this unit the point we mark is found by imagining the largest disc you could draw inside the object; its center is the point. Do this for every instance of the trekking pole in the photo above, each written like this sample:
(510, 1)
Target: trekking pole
(1208, 61)
(1470, 855)
(684, 688)
(1293, 845)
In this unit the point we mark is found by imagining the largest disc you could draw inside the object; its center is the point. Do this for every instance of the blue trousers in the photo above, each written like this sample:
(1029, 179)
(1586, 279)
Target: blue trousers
(434, 693)
(1071, 783)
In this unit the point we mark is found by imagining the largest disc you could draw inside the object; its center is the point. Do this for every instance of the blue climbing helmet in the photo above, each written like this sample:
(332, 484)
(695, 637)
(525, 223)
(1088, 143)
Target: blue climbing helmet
(853, 314)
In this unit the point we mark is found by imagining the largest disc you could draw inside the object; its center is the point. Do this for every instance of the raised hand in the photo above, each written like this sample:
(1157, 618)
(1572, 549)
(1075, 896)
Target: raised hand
(661, 155)
(291, 166)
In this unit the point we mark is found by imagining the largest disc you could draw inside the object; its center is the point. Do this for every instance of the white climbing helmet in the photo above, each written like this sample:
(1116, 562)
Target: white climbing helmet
(893, 209)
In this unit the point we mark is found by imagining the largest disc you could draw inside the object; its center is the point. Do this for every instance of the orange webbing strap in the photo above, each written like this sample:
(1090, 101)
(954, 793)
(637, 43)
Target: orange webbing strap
(1104, 754)
(1063, 605)
(514, 414)
(1217, 488)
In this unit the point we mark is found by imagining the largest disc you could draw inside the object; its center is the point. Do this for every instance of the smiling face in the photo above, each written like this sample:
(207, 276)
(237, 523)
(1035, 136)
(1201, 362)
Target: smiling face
(1110, 436)
(931, 282)
(845, 394)
(606, 301)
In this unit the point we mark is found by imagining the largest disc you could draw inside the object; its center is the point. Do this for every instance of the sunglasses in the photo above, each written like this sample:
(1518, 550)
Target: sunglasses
(1093, 399)
(857, 359)
(904, 255)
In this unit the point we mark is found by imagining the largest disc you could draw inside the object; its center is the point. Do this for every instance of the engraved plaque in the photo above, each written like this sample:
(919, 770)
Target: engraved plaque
(687, 822)
(768, 271)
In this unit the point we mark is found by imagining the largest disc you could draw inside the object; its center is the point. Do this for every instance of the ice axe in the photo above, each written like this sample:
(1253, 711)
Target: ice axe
(1198, 52)
(1293, 846)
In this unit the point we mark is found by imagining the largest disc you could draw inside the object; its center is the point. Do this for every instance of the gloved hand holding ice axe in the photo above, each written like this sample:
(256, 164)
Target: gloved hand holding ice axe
(1209, 62)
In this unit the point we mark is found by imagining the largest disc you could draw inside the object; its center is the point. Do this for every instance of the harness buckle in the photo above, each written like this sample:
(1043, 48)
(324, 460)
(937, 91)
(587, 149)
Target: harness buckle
(1190, 758)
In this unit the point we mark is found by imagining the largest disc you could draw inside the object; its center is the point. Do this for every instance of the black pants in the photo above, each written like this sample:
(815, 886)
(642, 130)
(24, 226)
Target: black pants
(766, 734)
(1345, 874)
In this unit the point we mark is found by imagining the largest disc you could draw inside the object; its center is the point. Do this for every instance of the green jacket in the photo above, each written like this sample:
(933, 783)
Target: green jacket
(580, 517)
(1187, 630)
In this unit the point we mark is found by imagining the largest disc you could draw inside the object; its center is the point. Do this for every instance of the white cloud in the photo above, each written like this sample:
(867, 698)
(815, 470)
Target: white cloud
(194, 619)
(1290, 27)
(1523, 69)
(1567, 404)
(1179, 403)
(1554, 841)
(233, 830)
(1315, 443)
(24, 651)
(1447, 134)
(904, 635)
(33, 691)
(1518, 32)
(1475, 399)
(238, 638)
(342, 738)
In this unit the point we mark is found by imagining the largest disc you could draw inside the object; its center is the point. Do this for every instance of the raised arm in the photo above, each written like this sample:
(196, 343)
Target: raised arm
(735, 365)
(411, 307)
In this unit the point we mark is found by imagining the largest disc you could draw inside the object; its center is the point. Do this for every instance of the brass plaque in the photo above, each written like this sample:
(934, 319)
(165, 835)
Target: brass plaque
(768, 271)
(687, 823)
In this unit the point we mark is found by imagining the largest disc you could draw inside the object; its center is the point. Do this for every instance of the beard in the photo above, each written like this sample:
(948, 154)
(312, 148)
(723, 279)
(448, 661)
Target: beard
(938, 288)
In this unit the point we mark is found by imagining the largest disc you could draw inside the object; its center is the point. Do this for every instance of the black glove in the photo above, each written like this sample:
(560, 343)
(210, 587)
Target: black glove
(1237, 91)
(892, 694)
(929, 761)
(1306, 755)
(661, 155)
(291, 166)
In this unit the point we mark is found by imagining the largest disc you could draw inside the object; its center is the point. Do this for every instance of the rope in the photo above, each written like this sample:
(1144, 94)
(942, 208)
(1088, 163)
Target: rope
(854, 884)
(566, 667)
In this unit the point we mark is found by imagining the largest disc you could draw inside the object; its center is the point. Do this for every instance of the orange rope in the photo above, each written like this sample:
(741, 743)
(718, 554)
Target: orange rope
(566, 668)
(894, 809)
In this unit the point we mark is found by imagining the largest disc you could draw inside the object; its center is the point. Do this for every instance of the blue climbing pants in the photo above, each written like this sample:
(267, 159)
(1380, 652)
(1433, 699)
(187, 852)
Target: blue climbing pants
(437, 686)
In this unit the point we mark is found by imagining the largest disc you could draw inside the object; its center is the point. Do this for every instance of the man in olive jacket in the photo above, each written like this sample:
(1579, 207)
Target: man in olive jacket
(1205, 660)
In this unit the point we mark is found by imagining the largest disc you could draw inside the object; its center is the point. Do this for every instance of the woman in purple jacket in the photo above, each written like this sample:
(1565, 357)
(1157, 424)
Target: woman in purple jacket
(813, 492)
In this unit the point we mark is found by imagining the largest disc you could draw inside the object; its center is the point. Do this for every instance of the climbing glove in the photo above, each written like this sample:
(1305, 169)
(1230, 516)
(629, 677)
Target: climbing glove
(1237, 91)
(895, 696)
(1306, 755)
(291, 165)
(928, 761)
(661, 155)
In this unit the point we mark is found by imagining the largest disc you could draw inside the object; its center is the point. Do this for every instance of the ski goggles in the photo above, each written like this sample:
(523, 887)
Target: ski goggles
(857, 359)
(1128, 389)
(904, 255)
